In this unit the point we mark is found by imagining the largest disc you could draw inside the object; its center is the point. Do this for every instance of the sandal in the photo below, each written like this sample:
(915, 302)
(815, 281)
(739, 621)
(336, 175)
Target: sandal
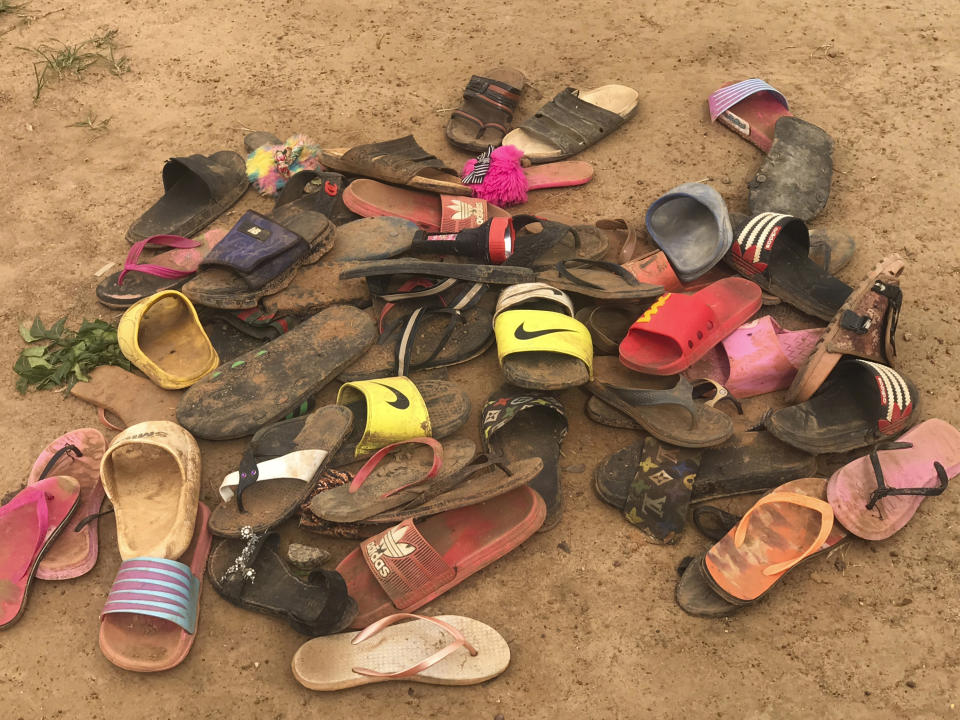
(129, 398)
(876, 495)
(603, 281)
(860, 403)
(407, 652)
(484, 117)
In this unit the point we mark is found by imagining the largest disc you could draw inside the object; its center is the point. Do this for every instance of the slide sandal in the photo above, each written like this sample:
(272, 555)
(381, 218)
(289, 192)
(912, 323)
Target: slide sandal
(149, 621)
(783, 528)
(758, 357)
(446, 213)
(400, 161)
(259, 257)
(77, 455)
(265, 384)
(408, 565)
(677, 330)
(535, 428)
(236, 332)
(392, 409)
(497, 176)
(274, 162)
(541, 346)
(864, 327)
(29, 525)
(163, 337)
(773, 250)
(311, 191)
(166, 271)
(573, 121)
(129, 398)
(484, 117)
(387, 481)
(860, 403)
(876, 495)
(252, 575)
(442, 650)
(151, 473)
(196, 190)
(600, 280)
(690, 224)
(262, 493)
(748, 463)
(751, 108)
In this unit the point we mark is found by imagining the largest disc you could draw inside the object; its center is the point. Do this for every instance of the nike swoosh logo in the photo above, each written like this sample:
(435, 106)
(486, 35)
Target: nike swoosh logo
(521, 334)
(400, 401)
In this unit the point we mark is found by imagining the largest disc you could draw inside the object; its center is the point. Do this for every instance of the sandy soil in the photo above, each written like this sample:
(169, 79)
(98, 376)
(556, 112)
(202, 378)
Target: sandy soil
(594, 632)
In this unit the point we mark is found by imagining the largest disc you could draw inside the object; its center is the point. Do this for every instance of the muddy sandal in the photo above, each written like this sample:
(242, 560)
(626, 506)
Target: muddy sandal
(518, 426)
(400, 162)
(129, 398)
(865, 327)
(251, 574)
(309, 191)
(573, 121)
(860, 403)
(265, 384)
(608, 326)
(540, 344)
(197, 189)
(600, 280)
(773, 251)
(269, 487)
(484, 117)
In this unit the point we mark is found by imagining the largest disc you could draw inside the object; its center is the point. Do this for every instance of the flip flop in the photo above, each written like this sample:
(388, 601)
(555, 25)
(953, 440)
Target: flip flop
(252, 575)
(400, 161)
(860, 403)
(484, 117)
(658, 495)
(608, 326)
(783, 528)
(865, 327)
(390, 410)
(166, 271)
(263, 493)
(541, 346)
(758, 357)
(129, 398)
(602, 281)
(677, 330)
(535, 428)
(196, 190)
(876, 495)
(489, 274)
(319, 286)
(773, 250)
(443, 551)
(265, 384)
(691, 225)
(385, 482)
(77, 455)
(162, 336)
(748, 463)
(694, 594)
(149, 621)
(573, 121)
(751, 108)
(30, 524)
(476, 653)
(447, 213)
(259, 256)
(151, 473)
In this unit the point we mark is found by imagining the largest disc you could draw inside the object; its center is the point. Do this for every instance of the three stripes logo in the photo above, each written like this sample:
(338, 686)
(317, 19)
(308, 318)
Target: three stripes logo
(896, 402)
(390, 546)
(751, 251)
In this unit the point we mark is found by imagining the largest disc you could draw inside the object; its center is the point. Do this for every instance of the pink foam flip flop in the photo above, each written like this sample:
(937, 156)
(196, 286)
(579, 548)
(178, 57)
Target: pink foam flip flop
(876, 495)
(29, 525)
(751, 109)
(756, 358)
(76, 454)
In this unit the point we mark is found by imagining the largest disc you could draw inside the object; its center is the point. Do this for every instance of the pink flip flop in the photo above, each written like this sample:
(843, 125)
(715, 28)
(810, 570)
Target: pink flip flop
(76, 454)
(29, 525)
(756, 358)
(751, 109)
(875, 495)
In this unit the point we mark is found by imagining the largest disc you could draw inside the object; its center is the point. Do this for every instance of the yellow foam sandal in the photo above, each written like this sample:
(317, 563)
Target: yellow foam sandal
(163, 337)
(540, 344)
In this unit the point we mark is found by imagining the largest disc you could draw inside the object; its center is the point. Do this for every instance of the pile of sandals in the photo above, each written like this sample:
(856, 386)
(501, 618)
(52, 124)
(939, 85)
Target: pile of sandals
(728, 342)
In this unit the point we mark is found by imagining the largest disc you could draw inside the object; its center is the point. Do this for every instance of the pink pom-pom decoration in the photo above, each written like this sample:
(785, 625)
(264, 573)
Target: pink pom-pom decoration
(497, 176)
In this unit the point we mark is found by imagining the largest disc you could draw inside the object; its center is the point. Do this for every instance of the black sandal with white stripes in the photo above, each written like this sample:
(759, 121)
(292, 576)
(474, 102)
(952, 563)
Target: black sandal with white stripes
(861, 403)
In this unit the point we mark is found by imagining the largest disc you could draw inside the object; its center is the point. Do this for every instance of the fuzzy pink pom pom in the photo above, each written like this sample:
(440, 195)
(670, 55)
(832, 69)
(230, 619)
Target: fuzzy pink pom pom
(504, 184)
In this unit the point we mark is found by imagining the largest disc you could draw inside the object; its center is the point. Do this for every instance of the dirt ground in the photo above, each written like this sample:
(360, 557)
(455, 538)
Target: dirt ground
(870, 632)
